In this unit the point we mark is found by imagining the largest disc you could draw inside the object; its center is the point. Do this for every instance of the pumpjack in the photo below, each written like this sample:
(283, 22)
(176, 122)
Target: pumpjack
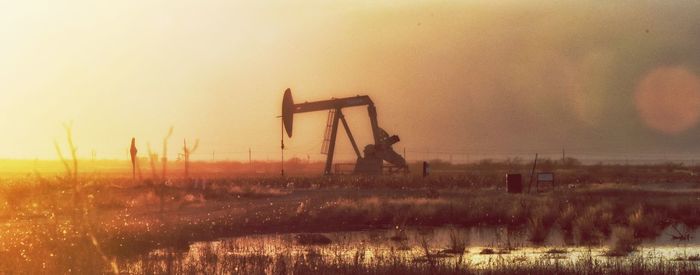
(372, 162)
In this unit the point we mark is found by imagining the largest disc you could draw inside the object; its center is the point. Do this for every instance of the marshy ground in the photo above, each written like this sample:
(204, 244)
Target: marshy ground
(452, 223)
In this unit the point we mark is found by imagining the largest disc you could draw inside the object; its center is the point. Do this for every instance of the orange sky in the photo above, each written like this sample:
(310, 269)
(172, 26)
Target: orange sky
(459, 76)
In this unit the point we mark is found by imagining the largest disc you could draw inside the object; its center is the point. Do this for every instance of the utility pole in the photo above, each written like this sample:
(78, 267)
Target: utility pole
(282, 147)
(532, 172)
(250, 156)
(213, 153)
(563, 154)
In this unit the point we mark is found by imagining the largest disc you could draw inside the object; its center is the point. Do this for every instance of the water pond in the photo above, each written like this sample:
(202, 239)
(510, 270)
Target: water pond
(482, 247)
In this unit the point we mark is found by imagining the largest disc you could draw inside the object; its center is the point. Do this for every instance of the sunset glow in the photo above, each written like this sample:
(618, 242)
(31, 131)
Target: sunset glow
(345, 137)
(484, 76)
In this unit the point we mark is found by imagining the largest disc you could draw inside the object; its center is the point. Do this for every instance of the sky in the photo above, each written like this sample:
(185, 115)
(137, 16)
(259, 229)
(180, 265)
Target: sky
(446, 76)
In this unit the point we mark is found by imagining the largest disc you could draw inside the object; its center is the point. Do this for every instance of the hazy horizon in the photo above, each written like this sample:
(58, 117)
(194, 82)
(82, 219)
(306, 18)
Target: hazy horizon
(455, 76)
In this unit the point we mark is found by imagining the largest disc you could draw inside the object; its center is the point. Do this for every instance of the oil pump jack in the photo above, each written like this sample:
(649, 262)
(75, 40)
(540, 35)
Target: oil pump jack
(372, 163)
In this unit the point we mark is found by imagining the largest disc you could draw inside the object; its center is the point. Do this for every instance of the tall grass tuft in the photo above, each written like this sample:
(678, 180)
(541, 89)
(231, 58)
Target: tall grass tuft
(540, 221)
(186, 151)
(644, 223)
(624, 242)
(593, 225)
(164, 158)
(132, 152)
(164, 170)
(458, 242)
(80, 232)
(153, 160)
(71, 172)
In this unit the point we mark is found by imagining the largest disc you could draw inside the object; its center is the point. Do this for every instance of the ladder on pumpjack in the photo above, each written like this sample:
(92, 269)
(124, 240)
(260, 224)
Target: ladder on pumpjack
(327, 134)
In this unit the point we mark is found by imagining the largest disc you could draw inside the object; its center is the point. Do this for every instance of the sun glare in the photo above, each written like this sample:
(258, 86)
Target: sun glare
(668, 99)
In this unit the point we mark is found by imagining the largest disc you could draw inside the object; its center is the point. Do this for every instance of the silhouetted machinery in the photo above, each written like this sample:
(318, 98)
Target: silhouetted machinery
(372, 163)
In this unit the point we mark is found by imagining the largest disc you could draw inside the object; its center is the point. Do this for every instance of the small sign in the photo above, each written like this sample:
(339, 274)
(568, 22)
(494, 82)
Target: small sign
(545, 177)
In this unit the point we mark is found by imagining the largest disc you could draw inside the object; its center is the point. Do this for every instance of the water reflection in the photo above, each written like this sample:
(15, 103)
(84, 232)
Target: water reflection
(483, 247)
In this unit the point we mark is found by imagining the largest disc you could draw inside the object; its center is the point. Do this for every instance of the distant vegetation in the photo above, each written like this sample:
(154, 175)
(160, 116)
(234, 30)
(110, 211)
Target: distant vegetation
(96, 221)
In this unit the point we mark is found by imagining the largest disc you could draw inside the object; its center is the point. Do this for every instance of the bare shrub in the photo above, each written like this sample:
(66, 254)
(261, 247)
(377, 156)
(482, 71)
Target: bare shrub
(593, 225)
(624, 242)
(644, 224)
(458, 242)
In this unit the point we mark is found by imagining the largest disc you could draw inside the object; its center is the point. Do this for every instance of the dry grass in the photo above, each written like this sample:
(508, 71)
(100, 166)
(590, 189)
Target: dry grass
(125, 221)
(624, 242)
(458, 243)
(593, 225)
(312, 239)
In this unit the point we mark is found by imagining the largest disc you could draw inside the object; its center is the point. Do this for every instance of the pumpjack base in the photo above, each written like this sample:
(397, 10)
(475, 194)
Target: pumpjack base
(375, 166)
(368, 166)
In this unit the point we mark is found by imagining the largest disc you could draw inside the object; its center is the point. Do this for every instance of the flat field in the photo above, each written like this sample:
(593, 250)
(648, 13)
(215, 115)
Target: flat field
(606, 219)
